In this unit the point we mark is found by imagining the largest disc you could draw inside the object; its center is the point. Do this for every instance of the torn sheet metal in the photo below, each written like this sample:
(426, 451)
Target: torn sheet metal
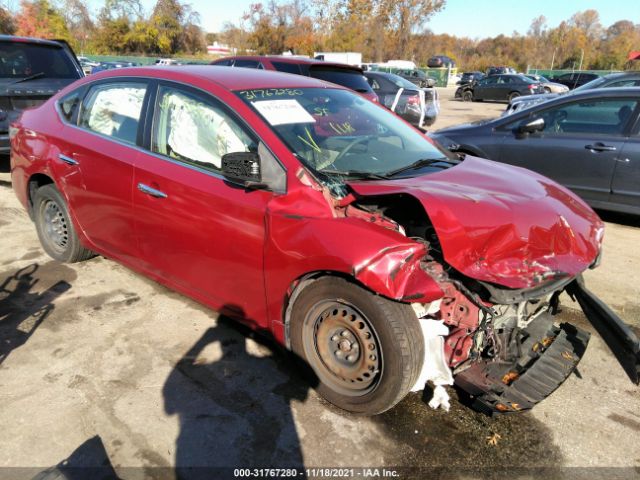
(435, 368)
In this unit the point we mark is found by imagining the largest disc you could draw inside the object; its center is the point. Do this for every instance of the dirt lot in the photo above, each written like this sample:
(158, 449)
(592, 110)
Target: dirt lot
(101, 366)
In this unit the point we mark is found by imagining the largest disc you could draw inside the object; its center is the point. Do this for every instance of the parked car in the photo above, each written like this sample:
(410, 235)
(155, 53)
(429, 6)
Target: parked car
(31, 71)
(549, 86)
(111, 65)
(417, 106)
(441, 61)
(417, 77)
(587, 141)
(617, 80)
(470, 77)
(348, 76)
(501, 70)
(498, 88)
(306, 211)
(574, 79)
(87, 64)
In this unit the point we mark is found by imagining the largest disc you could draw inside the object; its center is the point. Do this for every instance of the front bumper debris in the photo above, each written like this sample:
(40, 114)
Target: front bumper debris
(620, 339)
(549, 355)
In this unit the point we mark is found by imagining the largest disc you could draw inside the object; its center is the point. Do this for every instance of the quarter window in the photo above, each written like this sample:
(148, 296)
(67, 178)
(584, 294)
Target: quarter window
(114, 110)
(69, 106)
(195, 130)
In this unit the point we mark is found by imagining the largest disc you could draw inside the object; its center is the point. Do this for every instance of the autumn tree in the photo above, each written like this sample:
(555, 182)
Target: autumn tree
(40, 19)
(7, 25)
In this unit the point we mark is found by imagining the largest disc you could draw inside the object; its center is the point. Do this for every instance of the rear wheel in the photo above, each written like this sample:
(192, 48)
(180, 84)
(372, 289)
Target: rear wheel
(467, 96)
(55, 229)
(513, 95)
(367, 351)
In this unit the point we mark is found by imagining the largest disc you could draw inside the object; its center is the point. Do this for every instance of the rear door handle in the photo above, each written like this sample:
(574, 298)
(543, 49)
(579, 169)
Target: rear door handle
(151, 191)
(67, 160)
(600, 147)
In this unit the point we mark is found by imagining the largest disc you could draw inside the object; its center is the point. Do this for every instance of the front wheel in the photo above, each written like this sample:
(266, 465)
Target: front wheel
(467, 96)
(55, 229)
(367, 351)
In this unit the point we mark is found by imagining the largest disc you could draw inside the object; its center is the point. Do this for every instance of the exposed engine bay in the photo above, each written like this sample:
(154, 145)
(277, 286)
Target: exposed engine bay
(503, 346)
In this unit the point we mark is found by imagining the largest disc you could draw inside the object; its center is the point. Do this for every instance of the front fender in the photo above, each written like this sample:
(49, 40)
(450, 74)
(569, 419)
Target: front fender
(383, 260)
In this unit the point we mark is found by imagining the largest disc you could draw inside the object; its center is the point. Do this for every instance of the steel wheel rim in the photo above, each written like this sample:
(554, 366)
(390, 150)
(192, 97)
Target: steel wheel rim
(343, 348)
(55, 225)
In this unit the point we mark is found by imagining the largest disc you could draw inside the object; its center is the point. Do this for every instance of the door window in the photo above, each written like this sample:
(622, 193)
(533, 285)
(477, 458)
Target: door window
(195, 130)
(601, 117)
(114, 110)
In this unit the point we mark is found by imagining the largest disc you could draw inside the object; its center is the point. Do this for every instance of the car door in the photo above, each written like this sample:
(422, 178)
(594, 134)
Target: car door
(625, 187)
(485, 89)
(99, 150)
(196, 230)
(578, 146)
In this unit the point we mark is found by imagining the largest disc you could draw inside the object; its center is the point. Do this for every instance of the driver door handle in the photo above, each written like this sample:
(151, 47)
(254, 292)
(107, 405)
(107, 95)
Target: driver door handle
(151, 191)
(600, 147)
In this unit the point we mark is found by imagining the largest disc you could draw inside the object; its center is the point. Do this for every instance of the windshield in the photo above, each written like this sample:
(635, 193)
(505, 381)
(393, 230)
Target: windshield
(351, 79)
(21, 60)
(338, 133)
(595, 83)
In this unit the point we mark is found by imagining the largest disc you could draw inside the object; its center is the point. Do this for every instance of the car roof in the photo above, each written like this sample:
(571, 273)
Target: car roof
(617, 75)
(226, 77)
(41, 41)
(294, 60)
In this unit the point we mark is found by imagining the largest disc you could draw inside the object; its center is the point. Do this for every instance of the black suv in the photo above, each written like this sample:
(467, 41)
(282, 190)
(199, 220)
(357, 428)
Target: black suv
(31, 71)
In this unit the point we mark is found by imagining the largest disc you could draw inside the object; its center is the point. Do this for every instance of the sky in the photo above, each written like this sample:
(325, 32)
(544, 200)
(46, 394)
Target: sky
(471, 18)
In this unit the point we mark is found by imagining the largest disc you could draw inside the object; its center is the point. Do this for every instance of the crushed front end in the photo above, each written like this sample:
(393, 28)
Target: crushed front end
(500, 262)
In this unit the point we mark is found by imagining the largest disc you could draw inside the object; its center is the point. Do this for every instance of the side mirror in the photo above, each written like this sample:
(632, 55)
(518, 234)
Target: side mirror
(528, 127)
(243, 167)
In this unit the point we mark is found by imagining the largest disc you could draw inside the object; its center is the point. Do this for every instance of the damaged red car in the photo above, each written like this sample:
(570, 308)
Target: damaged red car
(306, 211)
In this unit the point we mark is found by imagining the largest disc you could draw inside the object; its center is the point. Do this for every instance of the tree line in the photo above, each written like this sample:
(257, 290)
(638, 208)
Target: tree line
(379, 29)
(120, 26)
(398, 29)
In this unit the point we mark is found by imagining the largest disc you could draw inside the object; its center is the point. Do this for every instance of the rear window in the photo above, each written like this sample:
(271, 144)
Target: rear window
(22, 60)
(341, 76)
(286, 67)
(247, 64)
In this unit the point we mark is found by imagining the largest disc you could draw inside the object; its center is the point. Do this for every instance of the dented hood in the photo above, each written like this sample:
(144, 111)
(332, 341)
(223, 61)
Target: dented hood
(502, 224)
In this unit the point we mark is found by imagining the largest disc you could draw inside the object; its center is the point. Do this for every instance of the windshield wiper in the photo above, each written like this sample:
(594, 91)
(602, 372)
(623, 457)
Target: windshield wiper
(357, 174)
(423, 162)
(30, 77)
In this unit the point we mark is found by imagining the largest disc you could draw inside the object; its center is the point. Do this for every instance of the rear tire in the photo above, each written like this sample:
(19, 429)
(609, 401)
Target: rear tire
(513, 95)
(366, 351)
(55, 228)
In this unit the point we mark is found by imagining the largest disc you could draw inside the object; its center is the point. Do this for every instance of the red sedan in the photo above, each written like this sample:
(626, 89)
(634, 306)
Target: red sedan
(311, 213)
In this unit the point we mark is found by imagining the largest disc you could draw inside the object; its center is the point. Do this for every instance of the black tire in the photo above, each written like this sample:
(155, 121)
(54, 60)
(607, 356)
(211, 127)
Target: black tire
(387, 332)
(513, 95)
(467, 96)
(55, 228)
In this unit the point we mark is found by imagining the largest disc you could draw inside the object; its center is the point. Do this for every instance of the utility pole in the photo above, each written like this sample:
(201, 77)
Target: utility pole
(581, 58)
